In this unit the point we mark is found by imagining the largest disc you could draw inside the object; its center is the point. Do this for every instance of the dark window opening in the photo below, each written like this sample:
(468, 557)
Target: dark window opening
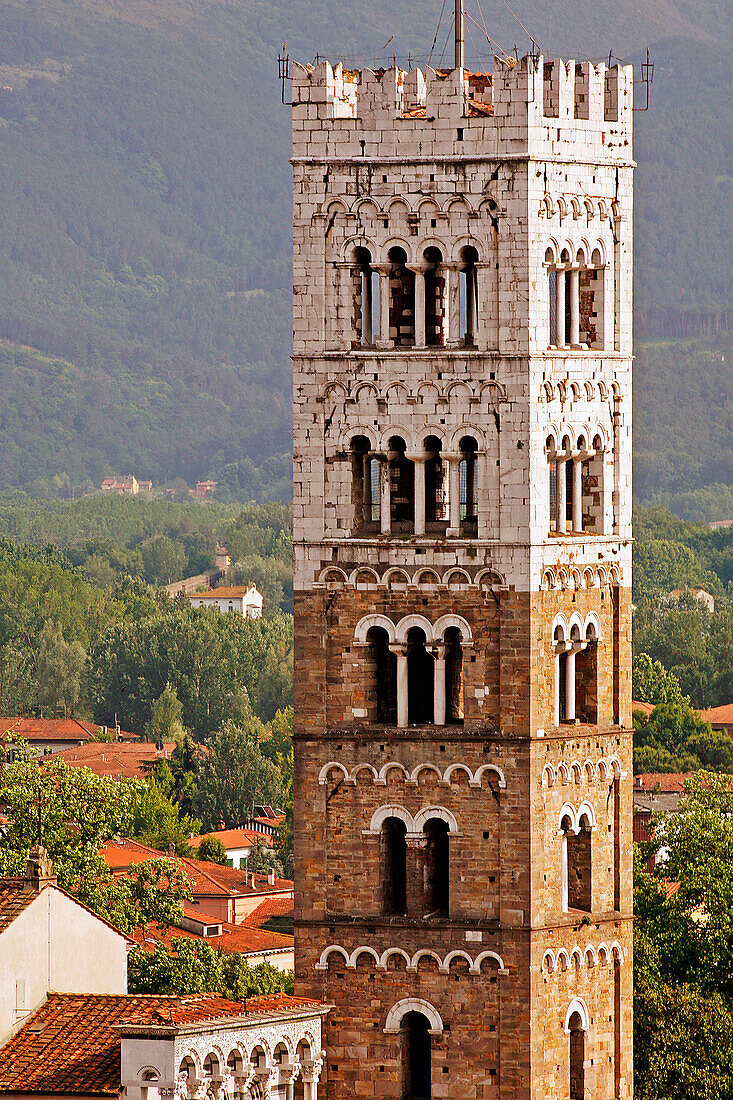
(617, 1026)
(467, 479)
(436, 488)
(577, 1058)
(401, 300)
(365, 289)
(381, 678)
(616, 845)
(420, 684)
(453, 676)
(416, 1056)
(393, 862)
(435, 309)
(579, 868)
(586, 682)
(402, 488)
(562, 666)
(364, 486)
(468, 295)
(436, 878)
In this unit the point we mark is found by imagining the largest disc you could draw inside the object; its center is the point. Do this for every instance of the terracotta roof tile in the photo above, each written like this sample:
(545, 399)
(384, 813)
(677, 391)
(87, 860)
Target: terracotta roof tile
(72, 1043)
(236, 939)
(271, 907)
(53, 729)
(113, 759)
(662, 781)
(718, 715)
(235, 838)
(15, 897)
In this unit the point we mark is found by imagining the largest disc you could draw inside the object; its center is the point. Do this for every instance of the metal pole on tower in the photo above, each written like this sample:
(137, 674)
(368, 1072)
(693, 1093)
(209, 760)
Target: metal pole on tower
(460, 34)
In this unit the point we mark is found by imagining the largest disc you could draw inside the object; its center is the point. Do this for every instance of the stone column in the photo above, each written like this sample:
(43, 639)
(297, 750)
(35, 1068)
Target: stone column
(560, 307)
(366, 306)
(578, 494)
(310, 1072)
(383, 340)
(453, 335)
(561, 501)
(402, 685)
(574, 291)
(385, 497)
(558, 654)
(439, 686)
(453, 458)
(419, 272)
(482, 506)
(419, 459)
(570, 685)
(564, 873)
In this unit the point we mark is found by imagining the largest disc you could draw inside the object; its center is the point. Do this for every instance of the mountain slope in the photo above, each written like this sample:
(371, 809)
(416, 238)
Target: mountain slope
(144, 224)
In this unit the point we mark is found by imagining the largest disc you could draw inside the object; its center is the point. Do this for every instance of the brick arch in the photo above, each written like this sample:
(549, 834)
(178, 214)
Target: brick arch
(483, 956)
(425, 767)
(445, 622)
(390, 951)
(364, 767)
(481, 772)
(391, 765)
(426, 953)
(453, 769)
(323, 773)
(364, 626)
(430, 812)
(457, 954)
(408, 622)
(549, 959)
(357, 952)
(332, 949)
(382, 813)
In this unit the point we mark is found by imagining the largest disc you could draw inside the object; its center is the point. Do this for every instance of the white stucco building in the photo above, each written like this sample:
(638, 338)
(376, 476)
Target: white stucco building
(245, 600)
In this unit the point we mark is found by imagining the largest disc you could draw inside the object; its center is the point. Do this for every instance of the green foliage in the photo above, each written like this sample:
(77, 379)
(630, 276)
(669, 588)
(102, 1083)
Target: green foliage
(214, 662)
(673, 738)
(262, 858)
(59, 669)
(158, 822)
(192, 966)
(165, 724)
(212, 850)
(695, 646)
(233, 774)
(75, 812)
(652, 683)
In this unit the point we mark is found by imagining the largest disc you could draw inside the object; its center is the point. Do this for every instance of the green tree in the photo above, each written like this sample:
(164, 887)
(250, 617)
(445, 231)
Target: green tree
(163, 559)
(652, 683)
(193, 966)
(157, 821)
(165, 724)
(263, 858)
(212, 850)
(74, 812)
(59, 669)
(275, 685)
(232, 775)
(674, 738)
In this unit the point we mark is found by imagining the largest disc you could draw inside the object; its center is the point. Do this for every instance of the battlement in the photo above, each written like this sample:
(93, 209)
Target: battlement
(534, 106)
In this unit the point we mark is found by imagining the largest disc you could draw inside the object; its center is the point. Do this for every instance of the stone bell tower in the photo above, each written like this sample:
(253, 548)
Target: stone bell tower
(462, 423)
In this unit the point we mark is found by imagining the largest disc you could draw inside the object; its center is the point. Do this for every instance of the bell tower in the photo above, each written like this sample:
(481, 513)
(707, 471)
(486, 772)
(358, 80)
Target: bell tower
(462, 433)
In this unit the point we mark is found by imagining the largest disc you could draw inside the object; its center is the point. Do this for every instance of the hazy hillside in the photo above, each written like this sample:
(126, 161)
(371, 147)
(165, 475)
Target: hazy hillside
(144, 222)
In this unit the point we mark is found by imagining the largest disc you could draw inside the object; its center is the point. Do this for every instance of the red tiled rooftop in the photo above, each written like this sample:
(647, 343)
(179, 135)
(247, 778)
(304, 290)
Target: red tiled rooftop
(15, 897)
(242, 939)
(115, 759)
(271, 907)
(235, 838)
(718, 715)
(222, 593)
(71, 1044)
(645, 708)
(53, 729)
(663, 781)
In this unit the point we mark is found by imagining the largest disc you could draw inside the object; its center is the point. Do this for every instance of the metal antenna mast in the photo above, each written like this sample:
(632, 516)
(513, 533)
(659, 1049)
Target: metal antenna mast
(460, 34)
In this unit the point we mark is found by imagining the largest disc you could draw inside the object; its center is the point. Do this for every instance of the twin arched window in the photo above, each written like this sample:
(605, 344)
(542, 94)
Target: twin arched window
(429, 303)
(430, 877)
(427, 492)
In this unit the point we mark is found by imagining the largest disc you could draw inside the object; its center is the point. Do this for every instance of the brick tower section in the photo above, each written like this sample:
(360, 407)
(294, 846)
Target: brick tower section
(462, 424)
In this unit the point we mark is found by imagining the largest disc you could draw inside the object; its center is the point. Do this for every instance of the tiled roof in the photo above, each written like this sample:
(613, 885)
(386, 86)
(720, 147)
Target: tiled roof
(645, 708)
(271, 907)
(718, 715)
(15, 897)
(663, 781)
(235, 939)
(53, 729)
(233, 593)
(114, 759)
(72, 1043)
(208, 879)
(235, 838)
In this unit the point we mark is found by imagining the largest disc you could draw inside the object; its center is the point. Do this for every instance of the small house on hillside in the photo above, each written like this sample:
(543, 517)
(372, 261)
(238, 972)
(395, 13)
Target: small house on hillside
(245, 601)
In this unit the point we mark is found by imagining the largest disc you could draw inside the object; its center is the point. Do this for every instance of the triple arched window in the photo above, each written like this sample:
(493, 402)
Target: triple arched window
(575, 647)
(400, 303)
(577, 489)
(578, 309)
(429, 491)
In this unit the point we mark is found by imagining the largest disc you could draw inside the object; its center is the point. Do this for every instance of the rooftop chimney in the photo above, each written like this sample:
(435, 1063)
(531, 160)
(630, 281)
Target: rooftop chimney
(39, 869)
(271, 876)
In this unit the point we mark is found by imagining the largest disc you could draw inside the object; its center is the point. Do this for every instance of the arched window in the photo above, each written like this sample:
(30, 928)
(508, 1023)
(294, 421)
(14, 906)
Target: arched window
(561, 675)
(364, 486)
(586, 678)
(579, 866)
(381, 678)
(401, 299)
(420, 679)
(235, 1065)
(211, 1065)
(436, 487)
(415, 1051)
(393, 866)
(401, 488)
(365, 281)
(591, 302)
(577, 1057)
(187, 1069)
(467, 487)
(453, 676)
(436, 875)
(468, 295)
(435, 307)
(552, 279)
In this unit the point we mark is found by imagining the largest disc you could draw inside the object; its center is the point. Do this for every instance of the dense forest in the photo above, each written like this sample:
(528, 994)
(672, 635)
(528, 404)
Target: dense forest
(144, 228)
